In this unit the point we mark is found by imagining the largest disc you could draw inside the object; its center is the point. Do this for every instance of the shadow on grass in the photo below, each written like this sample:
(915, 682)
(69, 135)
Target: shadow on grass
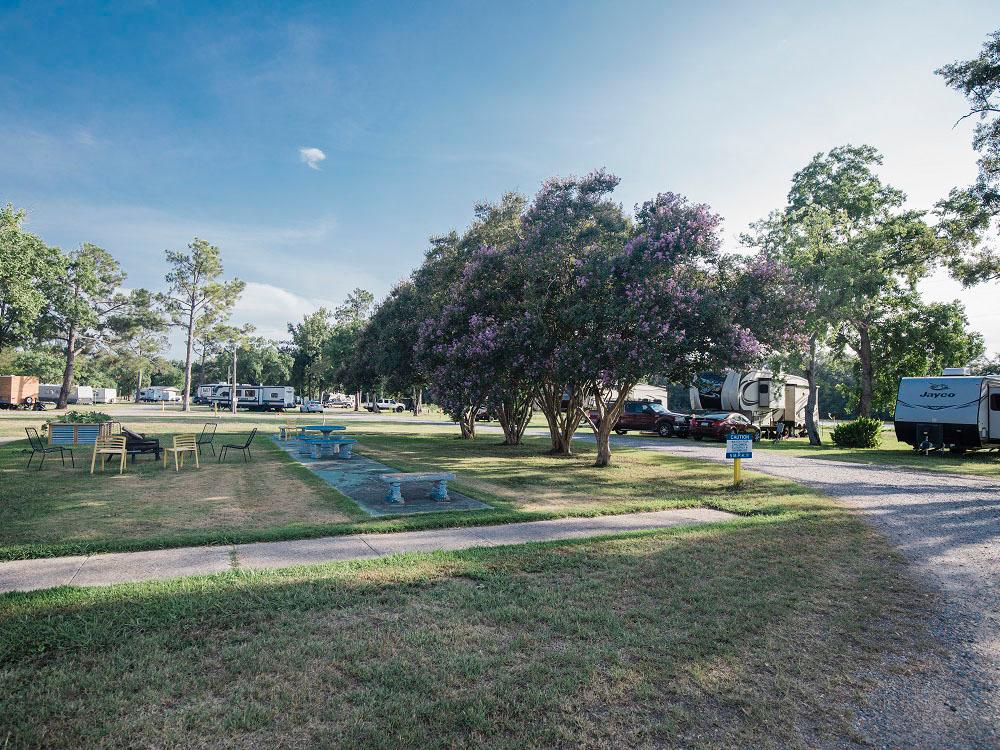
(740, 635)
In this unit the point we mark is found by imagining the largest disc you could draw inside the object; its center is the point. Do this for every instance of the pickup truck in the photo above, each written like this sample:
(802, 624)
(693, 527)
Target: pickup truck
(649, 416)
(385, 404)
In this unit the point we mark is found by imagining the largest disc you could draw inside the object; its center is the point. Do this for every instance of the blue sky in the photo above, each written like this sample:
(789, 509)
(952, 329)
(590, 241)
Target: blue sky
(137, 126)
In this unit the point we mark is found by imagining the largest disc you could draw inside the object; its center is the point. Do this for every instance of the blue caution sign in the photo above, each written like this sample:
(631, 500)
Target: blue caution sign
(739, 445)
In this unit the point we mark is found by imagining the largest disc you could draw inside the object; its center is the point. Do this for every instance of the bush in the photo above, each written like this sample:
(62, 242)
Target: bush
(864, 432)
(84, 417)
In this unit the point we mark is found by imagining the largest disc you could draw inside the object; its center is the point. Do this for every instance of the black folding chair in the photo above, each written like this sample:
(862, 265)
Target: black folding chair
(245, 447)
(207, 436)
(39, 446)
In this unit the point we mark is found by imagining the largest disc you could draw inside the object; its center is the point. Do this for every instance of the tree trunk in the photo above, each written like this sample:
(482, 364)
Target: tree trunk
(867, 376)
(514, 413)
(234, 399)
(607, 418)
(357, 401)
(562, 423)
(812, 429)
(138, 386)
(467, 422)
(68, 370)
(189, 355)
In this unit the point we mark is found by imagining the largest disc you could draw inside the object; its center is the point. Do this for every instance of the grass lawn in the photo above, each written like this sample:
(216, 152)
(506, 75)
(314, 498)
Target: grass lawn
(763, 633)
(61, 511)
(893, 452)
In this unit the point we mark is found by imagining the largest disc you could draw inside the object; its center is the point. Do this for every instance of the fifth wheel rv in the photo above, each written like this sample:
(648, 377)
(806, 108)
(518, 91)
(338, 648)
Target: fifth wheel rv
(957, 411)
(767, 398)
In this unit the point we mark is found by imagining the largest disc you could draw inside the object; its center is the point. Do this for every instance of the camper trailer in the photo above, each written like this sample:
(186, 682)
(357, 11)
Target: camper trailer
(160, 394)
(765, 397)
(204, 393)
(78, 394)
(105, 395)
(956, 410)
(255, 397)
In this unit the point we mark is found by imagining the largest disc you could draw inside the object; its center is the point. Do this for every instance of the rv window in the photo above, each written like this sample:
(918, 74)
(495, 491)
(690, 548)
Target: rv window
(763, 387)
(274, 395)
(995, 402)
(250, 394)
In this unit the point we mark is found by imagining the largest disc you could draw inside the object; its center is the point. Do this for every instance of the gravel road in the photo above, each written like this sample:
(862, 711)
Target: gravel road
(948, 527)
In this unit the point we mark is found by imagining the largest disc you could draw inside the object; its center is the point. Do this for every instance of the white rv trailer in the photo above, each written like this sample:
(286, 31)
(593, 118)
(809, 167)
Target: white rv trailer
(255, 397)
(204, 393)
(765, 397)
(160, 394)
(105, 395)
(956, 411)
(78, 394)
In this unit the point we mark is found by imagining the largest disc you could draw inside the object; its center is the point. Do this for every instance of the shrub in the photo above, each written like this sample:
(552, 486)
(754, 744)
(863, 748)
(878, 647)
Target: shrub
(864, 432)
(84, 417)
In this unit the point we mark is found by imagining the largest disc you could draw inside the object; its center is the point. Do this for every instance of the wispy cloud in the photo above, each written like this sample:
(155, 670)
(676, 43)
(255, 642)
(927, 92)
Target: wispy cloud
(311, 157)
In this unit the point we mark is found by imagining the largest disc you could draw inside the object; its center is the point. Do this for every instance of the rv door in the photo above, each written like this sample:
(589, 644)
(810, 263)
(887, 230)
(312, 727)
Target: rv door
(994, 413)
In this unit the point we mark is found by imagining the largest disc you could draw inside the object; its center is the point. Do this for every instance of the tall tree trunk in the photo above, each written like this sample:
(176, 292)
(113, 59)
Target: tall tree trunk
(867, 376)
(812, 429)
(234, 399)
(189, 355)
(68, 370)
(357, 401)
(138, 386)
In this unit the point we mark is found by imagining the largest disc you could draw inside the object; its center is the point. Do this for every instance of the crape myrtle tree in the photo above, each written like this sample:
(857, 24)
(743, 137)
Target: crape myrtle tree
(665, 303)
(478, 352)
(439, 284)
(569, 221)
(196, 295)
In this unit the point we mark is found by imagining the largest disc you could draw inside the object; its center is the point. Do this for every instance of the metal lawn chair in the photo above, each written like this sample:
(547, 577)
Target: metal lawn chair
(245, 447)
(38, 446)
(207, 436)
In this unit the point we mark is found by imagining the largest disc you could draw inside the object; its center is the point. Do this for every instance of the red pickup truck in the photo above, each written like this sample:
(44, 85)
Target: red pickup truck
(649, 416)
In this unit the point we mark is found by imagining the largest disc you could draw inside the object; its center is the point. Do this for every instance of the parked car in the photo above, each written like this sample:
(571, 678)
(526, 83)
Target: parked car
(385, 404)
(340, 403)
(312, 406)
(715, 425)
(649, 416)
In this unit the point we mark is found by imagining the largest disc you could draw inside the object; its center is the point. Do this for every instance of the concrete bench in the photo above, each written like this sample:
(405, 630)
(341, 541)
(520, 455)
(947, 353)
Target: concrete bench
(395, 481)
(339, 447)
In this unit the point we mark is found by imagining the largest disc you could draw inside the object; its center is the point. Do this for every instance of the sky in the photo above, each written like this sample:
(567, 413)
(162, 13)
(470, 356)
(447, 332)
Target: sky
(320, 145)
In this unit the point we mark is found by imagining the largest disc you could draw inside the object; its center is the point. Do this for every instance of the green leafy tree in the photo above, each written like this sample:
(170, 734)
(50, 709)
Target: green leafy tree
(968, 216)
(27, 268)
(137, 339)
(196, 297)
(853, 249)
(310, 367)
(44, 362)
(85, 303)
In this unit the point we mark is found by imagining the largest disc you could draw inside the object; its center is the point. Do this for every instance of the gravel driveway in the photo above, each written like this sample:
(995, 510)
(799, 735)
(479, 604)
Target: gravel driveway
(949, 528)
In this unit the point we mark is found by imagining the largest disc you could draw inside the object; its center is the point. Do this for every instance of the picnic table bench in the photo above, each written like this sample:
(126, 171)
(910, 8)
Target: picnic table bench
(340, 447)
(395, 481)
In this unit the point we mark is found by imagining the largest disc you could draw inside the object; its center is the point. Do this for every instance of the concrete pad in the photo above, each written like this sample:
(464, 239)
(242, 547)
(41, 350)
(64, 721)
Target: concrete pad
(27, 575)
(426, 541)
(262, 555)
(102, 570)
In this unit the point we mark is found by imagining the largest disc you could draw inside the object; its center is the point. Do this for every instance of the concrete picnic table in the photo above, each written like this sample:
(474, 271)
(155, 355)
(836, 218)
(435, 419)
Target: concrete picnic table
(326, 429)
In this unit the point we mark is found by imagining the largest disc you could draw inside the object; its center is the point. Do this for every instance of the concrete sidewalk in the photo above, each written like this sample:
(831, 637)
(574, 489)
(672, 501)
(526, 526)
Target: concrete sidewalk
(105, 569)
